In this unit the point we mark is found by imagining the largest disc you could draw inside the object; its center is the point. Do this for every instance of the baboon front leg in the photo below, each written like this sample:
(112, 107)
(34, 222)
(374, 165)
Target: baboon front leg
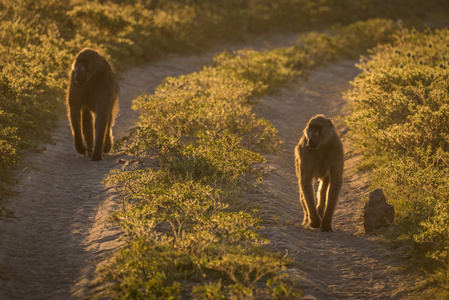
(306, 219)
(75, 122)
(307, 190)
(88, 130)
(101, 120)
(334, 190)
(108, 140)
(322, 195)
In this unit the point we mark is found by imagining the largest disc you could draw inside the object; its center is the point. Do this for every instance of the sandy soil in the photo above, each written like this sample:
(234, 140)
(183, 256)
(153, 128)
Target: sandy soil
(52, 247)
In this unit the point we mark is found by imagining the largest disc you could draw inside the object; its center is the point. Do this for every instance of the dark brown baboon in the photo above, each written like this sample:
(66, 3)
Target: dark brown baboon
(92, 103)
(319, 155)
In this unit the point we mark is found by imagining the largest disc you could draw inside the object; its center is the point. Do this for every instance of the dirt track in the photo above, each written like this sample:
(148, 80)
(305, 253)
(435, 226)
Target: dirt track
(52, 247)
(345, 264)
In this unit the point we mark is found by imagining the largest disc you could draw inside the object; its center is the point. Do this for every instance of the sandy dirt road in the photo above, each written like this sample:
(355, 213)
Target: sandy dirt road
(52, 247)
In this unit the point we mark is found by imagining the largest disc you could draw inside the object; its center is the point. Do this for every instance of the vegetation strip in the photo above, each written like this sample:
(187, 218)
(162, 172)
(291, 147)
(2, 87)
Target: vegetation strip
(188, 231)
(401, 122)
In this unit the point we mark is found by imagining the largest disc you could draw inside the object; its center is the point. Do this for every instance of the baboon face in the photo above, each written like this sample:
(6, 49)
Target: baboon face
(313, 134)
(86, 65)
(317, 132)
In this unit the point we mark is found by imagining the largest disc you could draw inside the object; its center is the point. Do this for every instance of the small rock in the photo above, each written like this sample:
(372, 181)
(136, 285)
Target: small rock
(377, 212)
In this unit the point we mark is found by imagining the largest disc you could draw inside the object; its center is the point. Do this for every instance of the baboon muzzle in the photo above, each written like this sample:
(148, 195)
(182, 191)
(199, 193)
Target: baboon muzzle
(312, 143)
(79, 79)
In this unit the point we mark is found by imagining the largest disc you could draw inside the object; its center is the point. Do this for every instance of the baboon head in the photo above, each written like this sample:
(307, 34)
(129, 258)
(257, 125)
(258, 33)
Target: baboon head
(88, 63)
(318, 131)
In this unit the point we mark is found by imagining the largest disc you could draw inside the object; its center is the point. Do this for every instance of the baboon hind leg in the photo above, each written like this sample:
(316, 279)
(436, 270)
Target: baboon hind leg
(334, 190)
(108, 140)
(101, 125)
(75, 122)
(309, 199)
(322, 195)
(306, 219)
(88, 130)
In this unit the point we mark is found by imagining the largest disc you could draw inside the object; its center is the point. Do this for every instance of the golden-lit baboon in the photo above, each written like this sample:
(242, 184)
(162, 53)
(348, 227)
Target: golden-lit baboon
(92, 103)
(319, 155)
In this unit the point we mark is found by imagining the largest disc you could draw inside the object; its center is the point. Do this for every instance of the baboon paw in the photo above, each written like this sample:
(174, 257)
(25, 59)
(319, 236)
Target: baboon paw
(96, 157)
(327, 229)
(315, 224)
(80, 149)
